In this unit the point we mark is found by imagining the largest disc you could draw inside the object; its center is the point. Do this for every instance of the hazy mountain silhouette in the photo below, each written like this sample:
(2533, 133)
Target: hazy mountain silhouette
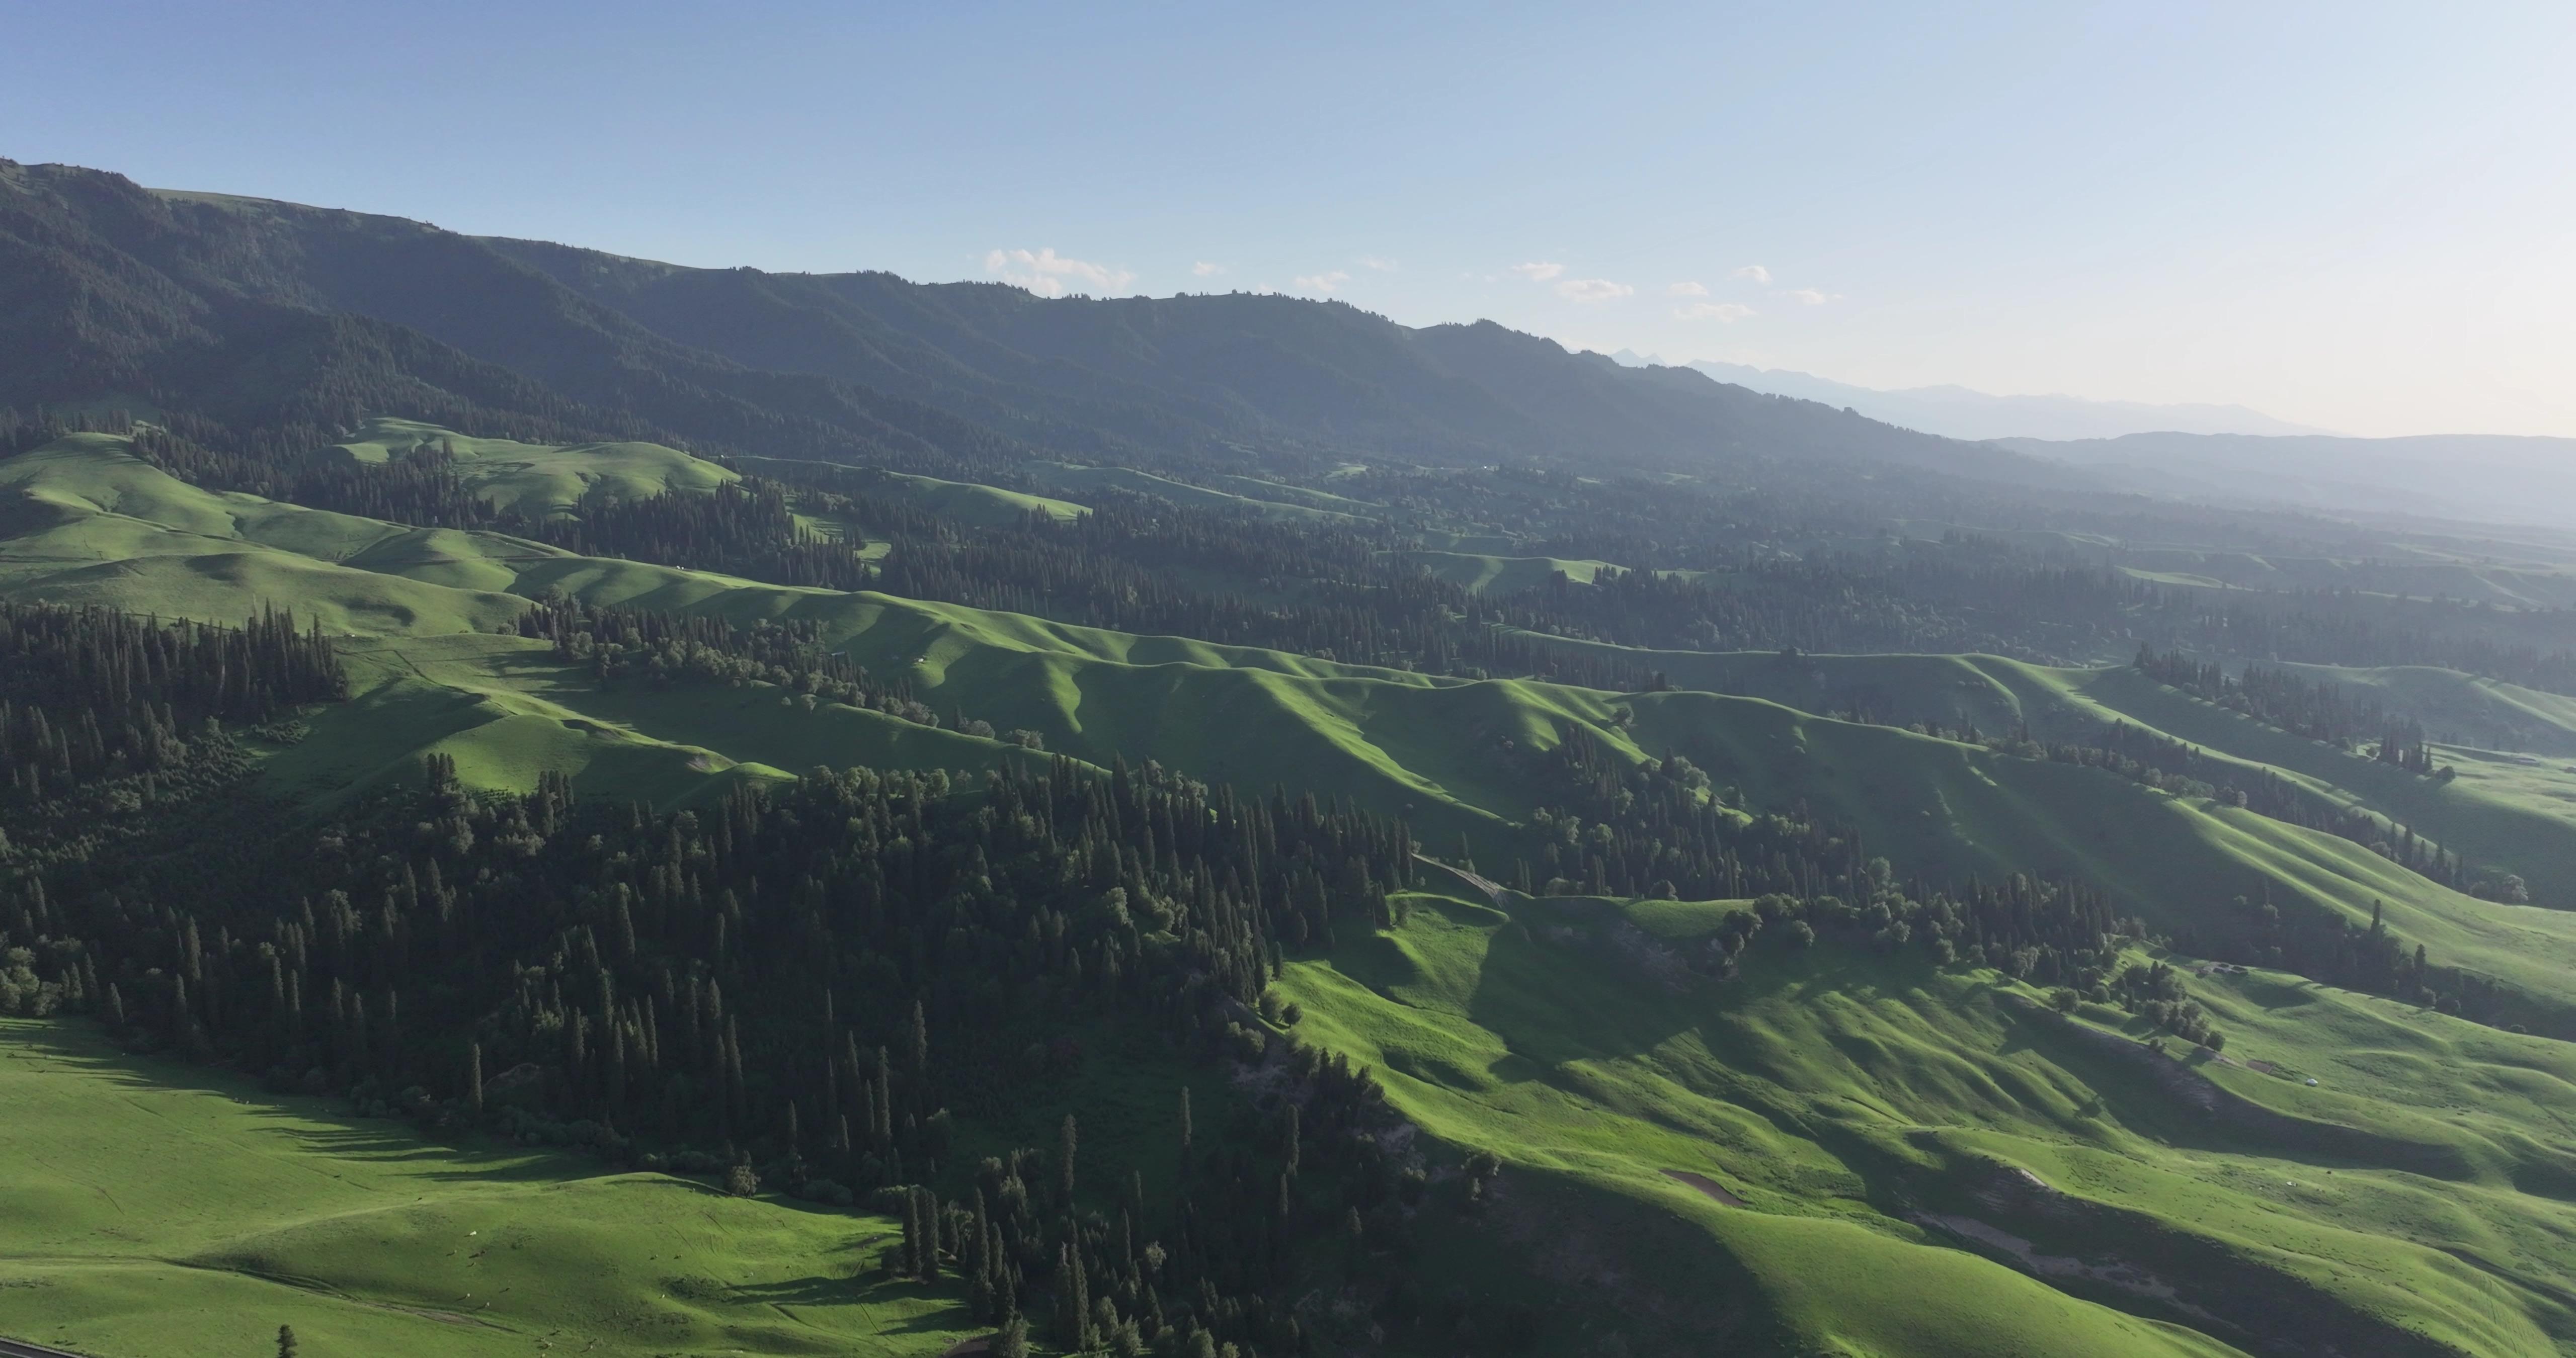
(1962, 413)
(2492, 478)
(264, 310)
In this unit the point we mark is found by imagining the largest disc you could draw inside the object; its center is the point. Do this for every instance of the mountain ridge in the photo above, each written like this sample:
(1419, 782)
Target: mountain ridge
(132, 288)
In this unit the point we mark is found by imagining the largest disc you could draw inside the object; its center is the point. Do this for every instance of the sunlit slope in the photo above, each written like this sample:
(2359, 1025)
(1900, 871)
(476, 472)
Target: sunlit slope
(1480, 573)
(2499, 813)
(164, 1210)
(1937, 805)
(2496, 813)
(1879, 1118)
(1996, 694)
(1454, 756)
(2464, 708)
(965, 501)
(82, 520)
(1259, 497)
(1458, 758)
(507, 711)
(535, 479)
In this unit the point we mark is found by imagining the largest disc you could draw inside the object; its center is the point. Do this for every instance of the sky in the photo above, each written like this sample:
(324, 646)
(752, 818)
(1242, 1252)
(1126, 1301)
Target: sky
(2357, 216)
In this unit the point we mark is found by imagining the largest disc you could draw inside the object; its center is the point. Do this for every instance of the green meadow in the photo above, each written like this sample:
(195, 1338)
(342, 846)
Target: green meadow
(1905, 1146)
(164, 1210)
(94, 524)
(1912, 1161)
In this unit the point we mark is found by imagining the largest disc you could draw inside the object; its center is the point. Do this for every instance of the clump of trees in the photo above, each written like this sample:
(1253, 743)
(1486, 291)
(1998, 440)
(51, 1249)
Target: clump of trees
(661, 649)
(2314, 709)
(803, 989)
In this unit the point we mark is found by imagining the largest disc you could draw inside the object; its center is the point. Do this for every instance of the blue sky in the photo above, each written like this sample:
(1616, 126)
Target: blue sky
(2359, 216)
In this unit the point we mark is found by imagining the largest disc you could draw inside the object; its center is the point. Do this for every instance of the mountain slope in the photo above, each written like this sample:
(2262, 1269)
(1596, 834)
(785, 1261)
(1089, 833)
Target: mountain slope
(1869, 1137)
(1234, 365)
(1875, 1111)
(194, 297)
(1451, 755)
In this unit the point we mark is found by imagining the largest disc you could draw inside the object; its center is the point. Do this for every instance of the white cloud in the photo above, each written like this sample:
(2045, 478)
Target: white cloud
(1321, 282)
(1592, 290)
(1809, 296)
(1725, 313)
(1687, 290)
(1377, 262)
(1754, 272)
(1047, 273)
(1538, 271)
(1206, 270)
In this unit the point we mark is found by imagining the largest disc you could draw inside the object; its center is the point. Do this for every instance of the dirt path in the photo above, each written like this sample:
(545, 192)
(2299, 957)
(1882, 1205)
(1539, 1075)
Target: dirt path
(1491, 888)
(1708, 1186)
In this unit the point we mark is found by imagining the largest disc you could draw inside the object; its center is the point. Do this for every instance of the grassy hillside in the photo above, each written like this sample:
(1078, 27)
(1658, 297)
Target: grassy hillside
(1892, 1136)
(87, 522)
(536, 480)
(2465, 709)
(1247, 494)
(506, 710)
(2501, 812)
(1875, 1115)
(1439, 751)
(964, 501)
(1482, 573)
(180, 1213)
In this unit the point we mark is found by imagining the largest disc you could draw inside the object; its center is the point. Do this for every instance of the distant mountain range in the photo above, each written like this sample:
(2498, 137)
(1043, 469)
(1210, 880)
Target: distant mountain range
(2215, 453)
(262, 314)
(1960, 413)
(2488, 478)
(302, 320)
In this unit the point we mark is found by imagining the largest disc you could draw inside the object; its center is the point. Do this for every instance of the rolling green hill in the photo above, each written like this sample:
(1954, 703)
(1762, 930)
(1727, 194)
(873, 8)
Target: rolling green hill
(1098, 965)
(1480, 573)
(1889, 1151)
(2503, 810)
(1926, 1161)
(963, 501)
(1429, 748)
(535, 480)
(181, 1212)
(1247, 495)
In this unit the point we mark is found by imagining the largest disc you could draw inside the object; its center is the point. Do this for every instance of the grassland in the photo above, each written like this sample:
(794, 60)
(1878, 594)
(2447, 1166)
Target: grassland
(96, 525)
(964, 501)
(2500, 812)
(538, 480)
(1074, 482)
(1894, 1133)
(1876, 1116)
(169, 1211)
(1484, 573)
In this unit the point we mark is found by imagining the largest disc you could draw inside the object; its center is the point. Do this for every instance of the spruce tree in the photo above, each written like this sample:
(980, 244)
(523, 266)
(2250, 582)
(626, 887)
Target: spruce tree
(1064, 1163)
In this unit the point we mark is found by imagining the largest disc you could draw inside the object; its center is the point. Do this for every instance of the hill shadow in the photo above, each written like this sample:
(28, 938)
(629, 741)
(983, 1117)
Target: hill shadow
(319, 1125)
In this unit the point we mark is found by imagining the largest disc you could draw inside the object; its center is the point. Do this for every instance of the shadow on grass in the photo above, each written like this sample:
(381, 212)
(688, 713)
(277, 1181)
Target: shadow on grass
(321, 1126)
(942, 1309)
